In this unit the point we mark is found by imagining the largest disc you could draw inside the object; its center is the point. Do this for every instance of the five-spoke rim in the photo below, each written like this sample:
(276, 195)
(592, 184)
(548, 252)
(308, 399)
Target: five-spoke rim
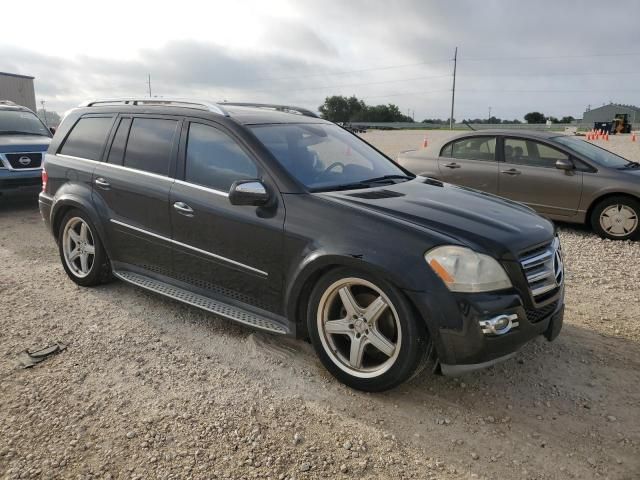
(78, 247)
(619, 220)
(359, 327)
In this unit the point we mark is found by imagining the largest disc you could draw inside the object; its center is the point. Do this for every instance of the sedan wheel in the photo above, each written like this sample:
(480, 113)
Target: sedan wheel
(78, 247)
(619, 220)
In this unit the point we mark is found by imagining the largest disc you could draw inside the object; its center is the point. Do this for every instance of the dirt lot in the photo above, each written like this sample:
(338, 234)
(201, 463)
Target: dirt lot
(149, 388)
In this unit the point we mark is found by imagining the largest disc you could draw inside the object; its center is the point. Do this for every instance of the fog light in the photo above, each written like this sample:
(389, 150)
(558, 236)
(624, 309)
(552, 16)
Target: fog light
(499, 325)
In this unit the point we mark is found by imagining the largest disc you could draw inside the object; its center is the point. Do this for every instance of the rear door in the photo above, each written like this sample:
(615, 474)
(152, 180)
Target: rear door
(131, 189)
(229, 250)
(470, 162)
(529, 175)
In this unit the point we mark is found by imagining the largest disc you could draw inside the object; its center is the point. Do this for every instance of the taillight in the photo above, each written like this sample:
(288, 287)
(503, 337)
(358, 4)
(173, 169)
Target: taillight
(45, 178)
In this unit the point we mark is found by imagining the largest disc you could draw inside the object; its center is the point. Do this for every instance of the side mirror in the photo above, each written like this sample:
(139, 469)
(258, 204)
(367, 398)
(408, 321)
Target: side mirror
(52, 130)
(564, 164)
(248, 192)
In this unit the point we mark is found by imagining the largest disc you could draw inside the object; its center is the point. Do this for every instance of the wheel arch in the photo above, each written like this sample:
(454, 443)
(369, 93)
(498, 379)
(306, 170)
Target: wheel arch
(305, 278)
(601, 198)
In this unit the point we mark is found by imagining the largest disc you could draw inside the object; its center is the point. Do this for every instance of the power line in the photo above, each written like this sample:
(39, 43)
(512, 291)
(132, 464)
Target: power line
(546, 57)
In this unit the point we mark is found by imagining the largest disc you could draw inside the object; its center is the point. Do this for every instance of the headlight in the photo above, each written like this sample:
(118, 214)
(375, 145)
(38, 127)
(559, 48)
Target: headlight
(464, 270)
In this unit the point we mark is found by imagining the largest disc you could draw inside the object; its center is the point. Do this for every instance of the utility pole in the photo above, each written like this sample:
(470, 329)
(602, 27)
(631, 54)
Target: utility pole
(44, 113)
(489, 119)
(149, 83)
(453, 90)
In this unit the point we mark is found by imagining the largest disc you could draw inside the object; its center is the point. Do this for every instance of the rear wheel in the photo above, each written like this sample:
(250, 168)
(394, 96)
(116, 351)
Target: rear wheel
(81, 251)
(364, 331)
(617, 218)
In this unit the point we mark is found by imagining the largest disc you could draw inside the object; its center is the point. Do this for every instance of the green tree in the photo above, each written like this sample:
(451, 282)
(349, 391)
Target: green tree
(535, 117)
(342, 109)
(567, 119)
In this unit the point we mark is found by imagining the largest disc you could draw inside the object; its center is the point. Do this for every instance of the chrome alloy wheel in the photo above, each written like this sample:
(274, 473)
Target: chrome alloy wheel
(78, 247)
(359, 327)
(619, 220)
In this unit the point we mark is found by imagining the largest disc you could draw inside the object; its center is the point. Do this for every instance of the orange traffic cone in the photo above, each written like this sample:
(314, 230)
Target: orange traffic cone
(633, 137)
(425, 142)
(606, 137)
(588, 135)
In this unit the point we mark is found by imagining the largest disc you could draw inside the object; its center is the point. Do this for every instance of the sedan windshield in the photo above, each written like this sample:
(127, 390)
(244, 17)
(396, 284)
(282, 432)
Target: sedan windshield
(16, 122)
(326, 157)
(593, 152)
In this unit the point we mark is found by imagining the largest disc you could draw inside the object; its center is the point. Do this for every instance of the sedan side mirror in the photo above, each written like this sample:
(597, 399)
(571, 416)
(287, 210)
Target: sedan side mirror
(564, 164)
(248, 192)
(52, 130)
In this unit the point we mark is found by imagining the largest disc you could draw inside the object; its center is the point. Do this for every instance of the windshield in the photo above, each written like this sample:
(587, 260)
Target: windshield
(16, 122)
(326, 157)
(593, 152)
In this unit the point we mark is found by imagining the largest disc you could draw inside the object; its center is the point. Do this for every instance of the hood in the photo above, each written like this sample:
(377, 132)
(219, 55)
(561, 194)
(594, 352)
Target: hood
(22, 143)
(479, 220)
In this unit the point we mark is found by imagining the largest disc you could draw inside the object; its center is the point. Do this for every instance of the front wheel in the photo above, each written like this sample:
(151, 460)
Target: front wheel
(617, 218)
(364, 331)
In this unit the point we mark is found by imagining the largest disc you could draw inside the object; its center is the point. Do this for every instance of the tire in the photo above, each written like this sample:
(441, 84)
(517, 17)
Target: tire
(81, 251)
(389, 345)
(617, 218)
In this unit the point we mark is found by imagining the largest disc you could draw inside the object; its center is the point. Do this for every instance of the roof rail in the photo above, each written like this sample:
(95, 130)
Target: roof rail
(8, 102)
(282, 108)
(176, 102)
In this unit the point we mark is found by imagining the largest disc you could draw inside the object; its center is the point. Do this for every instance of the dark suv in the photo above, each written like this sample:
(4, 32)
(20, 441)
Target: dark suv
(277, 219)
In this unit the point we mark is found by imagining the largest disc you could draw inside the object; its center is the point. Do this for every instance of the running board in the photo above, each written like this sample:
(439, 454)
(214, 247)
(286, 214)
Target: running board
(217, 307)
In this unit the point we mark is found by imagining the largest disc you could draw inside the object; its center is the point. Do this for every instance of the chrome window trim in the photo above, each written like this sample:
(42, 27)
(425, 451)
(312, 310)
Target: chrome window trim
(202, 187)
(6, 164)
(195, 249)
(119, 167)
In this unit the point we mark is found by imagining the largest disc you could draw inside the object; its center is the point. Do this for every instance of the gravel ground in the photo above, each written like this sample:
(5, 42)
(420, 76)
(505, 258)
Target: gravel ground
(150, 388)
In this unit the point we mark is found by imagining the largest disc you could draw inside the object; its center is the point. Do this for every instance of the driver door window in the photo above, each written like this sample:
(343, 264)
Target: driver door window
(215, 160)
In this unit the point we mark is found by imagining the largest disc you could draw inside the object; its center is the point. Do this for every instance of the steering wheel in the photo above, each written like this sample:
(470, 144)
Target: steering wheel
(329, 168)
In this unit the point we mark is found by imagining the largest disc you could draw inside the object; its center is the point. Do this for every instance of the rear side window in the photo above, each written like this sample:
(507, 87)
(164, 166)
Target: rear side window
(87, 138)
(215, 160)
(474, 148)
(533, 154)
(446, 151)
(150, 145)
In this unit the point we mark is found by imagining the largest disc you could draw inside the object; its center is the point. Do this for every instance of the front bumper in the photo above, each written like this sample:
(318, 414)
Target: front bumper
(465, 347)
(18, 183)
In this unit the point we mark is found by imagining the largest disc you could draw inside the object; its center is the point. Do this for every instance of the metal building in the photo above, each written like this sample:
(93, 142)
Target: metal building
(18, 89)
(606, 113)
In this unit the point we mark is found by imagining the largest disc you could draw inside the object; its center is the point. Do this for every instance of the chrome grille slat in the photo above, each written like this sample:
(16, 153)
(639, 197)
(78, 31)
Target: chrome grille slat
(543, 269)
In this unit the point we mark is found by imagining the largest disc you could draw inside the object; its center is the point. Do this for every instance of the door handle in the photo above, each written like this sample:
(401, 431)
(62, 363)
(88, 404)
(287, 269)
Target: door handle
(452, 165)
(511, 171)
(102, 183)
(183, 209)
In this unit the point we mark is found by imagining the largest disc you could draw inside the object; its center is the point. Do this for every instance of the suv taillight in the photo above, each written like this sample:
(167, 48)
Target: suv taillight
(45, 178)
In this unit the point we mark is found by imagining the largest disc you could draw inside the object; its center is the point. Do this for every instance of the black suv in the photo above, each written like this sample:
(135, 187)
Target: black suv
(274, 218)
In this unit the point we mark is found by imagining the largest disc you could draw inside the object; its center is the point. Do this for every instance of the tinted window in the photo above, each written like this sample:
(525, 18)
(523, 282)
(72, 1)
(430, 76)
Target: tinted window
(119, 142)
(150, 144)
(215, 160)
(528, 152)
(592, 152)
(87, 138)
(474, 148)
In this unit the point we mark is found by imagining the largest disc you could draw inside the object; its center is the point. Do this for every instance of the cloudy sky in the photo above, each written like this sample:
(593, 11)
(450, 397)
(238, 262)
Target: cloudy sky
(555, 56)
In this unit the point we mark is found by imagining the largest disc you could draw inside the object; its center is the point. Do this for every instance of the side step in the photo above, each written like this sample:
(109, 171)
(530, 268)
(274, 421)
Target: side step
(231, 312)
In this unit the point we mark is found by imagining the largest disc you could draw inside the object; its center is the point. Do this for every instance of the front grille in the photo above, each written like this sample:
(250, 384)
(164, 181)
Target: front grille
(543, 269)
(534, 315)
(20, 161)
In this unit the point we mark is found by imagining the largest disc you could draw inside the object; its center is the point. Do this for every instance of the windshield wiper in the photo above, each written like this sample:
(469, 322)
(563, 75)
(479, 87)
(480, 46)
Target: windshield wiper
(20, 132)
(632, 165)
(387, 177)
